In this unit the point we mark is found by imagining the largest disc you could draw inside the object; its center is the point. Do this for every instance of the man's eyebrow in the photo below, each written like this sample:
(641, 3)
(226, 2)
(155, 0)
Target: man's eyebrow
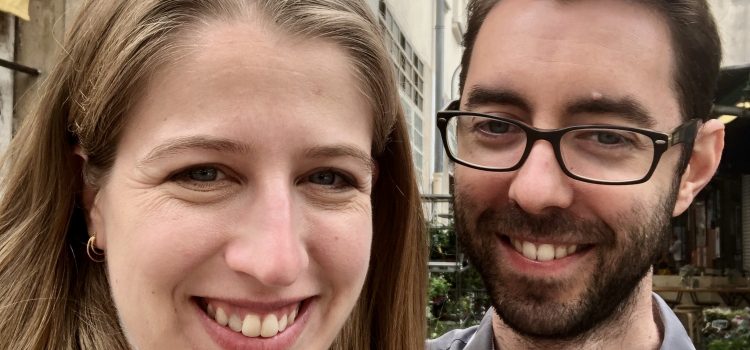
(342, 151)
(627, 108)
(479, 96)
(176, 145)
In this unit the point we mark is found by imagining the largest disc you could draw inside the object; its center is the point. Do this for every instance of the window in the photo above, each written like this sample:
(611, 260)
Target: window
(410, 75)
(410, 67)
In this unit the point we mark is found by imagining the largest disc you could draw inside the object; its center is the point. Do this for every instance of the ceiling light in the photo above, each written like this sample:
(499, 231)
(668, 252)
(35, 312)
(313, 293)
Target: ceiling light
(727, 118)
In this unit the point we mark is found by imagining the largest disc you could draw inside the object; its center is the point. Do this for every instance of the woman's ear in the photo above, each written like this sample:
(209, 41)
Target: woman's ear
(703, 163)
(89, 194)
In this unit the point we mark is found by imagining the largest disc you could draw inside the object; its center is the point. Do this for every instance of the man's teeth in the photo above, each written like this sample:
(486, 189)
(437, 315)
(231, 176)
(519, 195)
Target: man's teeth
(543, 252)
(253, 325)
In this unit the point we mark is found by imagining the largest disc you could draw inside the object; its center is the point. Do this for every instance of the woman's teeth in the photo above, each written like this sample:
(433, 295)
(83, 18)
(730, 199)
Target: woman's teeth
(543, 252)
(254, 325)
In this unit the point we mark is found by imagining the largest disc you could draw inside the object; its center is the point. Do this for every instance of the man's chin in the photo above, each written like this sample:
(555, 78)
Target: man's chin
(537, 319)
(543, 309)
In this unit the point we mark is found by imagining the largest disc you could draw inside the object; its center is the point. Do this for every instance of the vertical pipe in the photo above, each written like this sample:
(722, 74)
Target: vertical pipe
(439, 48)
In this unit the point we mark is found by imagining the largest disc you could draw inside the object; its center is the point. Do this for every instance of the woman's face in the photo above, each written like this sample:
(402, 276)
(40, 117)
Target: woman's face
(237, 213)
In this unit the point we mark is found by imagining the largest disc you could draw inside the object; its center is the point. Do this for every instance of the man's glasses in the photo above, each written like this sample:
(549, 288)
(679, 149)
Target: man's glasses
(600, 154)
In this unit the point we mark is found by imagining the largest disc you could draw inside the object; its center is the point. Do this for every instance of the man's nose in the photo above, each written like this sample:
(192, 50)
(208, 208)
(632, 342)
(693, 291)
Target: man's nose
(268, 244)
(540, 184)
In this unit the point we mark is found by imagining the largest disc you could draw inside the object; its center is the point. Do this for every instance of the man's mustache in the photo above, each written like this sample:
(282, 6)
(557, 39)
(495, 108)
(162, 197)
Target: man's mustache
(555, 225)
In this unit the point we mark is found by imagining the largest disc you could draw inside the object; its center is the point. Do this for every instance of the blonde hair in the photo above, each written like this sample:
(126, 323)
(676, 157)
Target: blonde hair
(53, 297)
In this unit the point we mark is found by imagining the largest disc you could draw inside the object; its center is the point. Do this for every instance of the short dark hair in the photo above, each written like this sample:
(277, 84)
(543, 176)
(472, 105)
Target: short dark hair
(695, 42)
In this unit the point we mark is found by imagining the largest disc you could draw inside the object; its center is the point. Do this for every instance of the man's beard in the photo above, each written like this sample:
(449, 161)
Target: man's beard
(531, 306)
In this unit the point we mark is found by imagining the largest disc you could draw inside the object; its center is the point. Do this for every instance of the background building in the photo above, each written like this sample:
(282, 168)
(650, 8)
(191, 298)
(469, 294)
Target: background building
(426, 53)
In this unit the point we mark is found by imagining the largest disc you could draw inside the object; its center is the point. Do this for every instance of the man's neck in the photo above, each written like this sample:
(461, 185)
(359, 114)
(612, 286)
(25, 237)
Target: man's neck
(636, 327)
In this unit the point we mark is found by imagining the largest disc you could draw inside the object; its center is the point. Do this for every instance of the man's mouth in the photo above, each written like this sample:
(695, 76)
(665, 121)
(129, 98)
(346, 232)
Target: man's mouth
(252, 324)
(544, 251)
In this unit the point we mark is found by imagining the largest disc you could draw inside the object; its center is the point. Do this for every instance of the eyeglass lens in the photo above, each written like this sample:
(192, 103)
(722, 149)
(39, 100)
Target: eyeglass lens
(594, 153)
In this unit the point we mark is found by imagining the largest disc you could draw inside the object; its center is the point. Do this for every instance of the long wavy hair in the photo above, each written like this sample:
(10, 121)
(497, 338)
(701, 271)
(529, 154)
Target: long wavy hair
(53, 297)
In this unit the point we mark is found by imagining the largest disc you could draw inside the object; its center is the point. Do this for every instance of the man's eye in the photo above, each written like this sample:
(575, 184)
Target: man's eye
(494, 127)
(609, 138)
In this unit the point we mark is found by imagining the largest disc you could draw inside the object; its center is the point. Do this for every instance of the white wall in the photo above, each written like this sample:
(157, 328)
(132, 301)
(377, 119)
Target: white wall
(416, 19)
(455, 26)
(733, 19)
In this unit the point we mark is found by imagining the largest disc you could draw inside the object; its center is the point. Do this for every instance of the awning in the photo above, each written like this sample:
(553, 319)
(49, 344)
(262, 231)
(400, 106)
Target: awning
(732, 97)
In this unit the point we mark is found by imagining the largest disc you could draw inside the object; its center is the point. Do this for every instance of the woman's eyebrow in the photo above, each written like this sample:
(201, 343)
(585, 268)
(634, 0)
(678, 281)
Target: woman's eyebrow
(342, 150)
(176, 145)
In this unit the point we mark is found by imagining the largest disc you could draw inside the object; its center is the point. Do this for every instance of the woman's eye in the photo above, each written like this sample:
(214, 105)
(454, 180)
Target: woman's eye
(203, 174)
(202, 178)
(330, 178)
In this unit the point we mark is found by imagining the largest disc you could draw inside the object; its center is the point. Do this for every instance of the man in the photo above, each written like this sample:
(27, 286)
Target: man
(581, 129)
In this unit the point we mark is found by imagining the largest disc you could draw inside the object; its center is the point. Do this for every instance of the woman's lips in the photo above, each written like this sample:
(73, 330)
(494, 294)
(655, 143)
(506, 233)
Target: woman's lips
(249, 322)
(260, 326)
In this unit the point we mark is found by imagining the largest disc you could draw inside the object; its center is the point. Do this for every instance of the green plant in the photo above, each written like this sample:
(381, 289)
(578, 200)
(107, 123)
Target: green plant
(442, 239)
(455, 299)
(439, 286)
(727, 329)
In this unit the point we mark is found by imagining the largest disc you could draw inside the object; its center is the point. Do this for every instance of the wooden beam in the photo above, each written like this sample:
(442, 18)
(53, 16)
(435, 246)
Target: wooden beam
(7, 40)
(37, 45)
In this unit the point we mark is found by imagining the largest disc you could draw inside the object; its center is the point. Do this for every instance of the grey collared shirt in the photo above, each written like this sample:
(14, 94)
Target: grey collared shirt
(480, 337)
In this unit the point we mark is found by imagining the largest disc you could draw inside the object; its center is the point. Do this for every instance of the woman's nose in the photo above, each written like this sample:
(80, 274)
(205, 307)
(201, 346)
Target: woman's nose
(268, 244)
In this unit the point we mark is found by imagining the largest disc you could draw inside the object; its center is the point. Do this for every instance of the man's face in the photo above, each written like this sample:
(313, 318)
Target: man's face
(552, 64)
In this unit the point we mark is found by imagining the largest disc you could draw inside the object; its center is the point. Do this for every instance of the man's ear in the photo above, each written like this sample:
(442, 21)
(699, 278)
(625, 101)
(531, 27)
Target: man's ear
(702, 165)
(89, 194)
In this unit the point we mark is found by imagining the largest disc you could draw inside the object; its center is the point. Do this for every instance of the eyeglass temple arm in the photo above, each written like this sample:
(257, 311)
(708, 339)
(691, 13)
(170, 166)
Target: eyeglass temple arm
(452, 105)
(685, 133)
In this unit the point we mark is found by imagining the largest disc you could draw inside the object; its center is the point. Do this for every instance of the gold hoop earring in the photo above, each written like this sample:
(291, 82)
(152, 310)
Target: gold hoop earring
(94, 253)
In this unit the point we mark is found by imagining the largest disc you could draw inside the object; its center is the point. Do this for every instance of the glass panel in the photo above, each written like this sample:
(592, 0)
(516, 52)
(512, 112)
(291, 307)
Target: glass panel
(418, 160)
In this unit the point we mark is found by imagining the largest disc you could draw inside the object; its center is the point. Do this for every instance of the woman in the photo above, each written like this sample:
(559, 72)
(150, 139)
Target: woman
(214, 174)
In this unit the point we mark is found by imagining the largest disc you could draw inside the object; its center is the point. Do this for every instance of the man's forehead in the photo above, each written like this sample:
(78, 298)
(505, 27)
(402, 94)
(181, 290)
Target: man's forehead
(623, 29)
(571, 50)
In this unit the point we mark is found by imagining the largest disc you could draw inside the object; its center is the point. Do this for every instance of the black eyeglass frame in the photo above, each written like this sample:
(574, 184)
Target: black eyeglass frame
(683, 134)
